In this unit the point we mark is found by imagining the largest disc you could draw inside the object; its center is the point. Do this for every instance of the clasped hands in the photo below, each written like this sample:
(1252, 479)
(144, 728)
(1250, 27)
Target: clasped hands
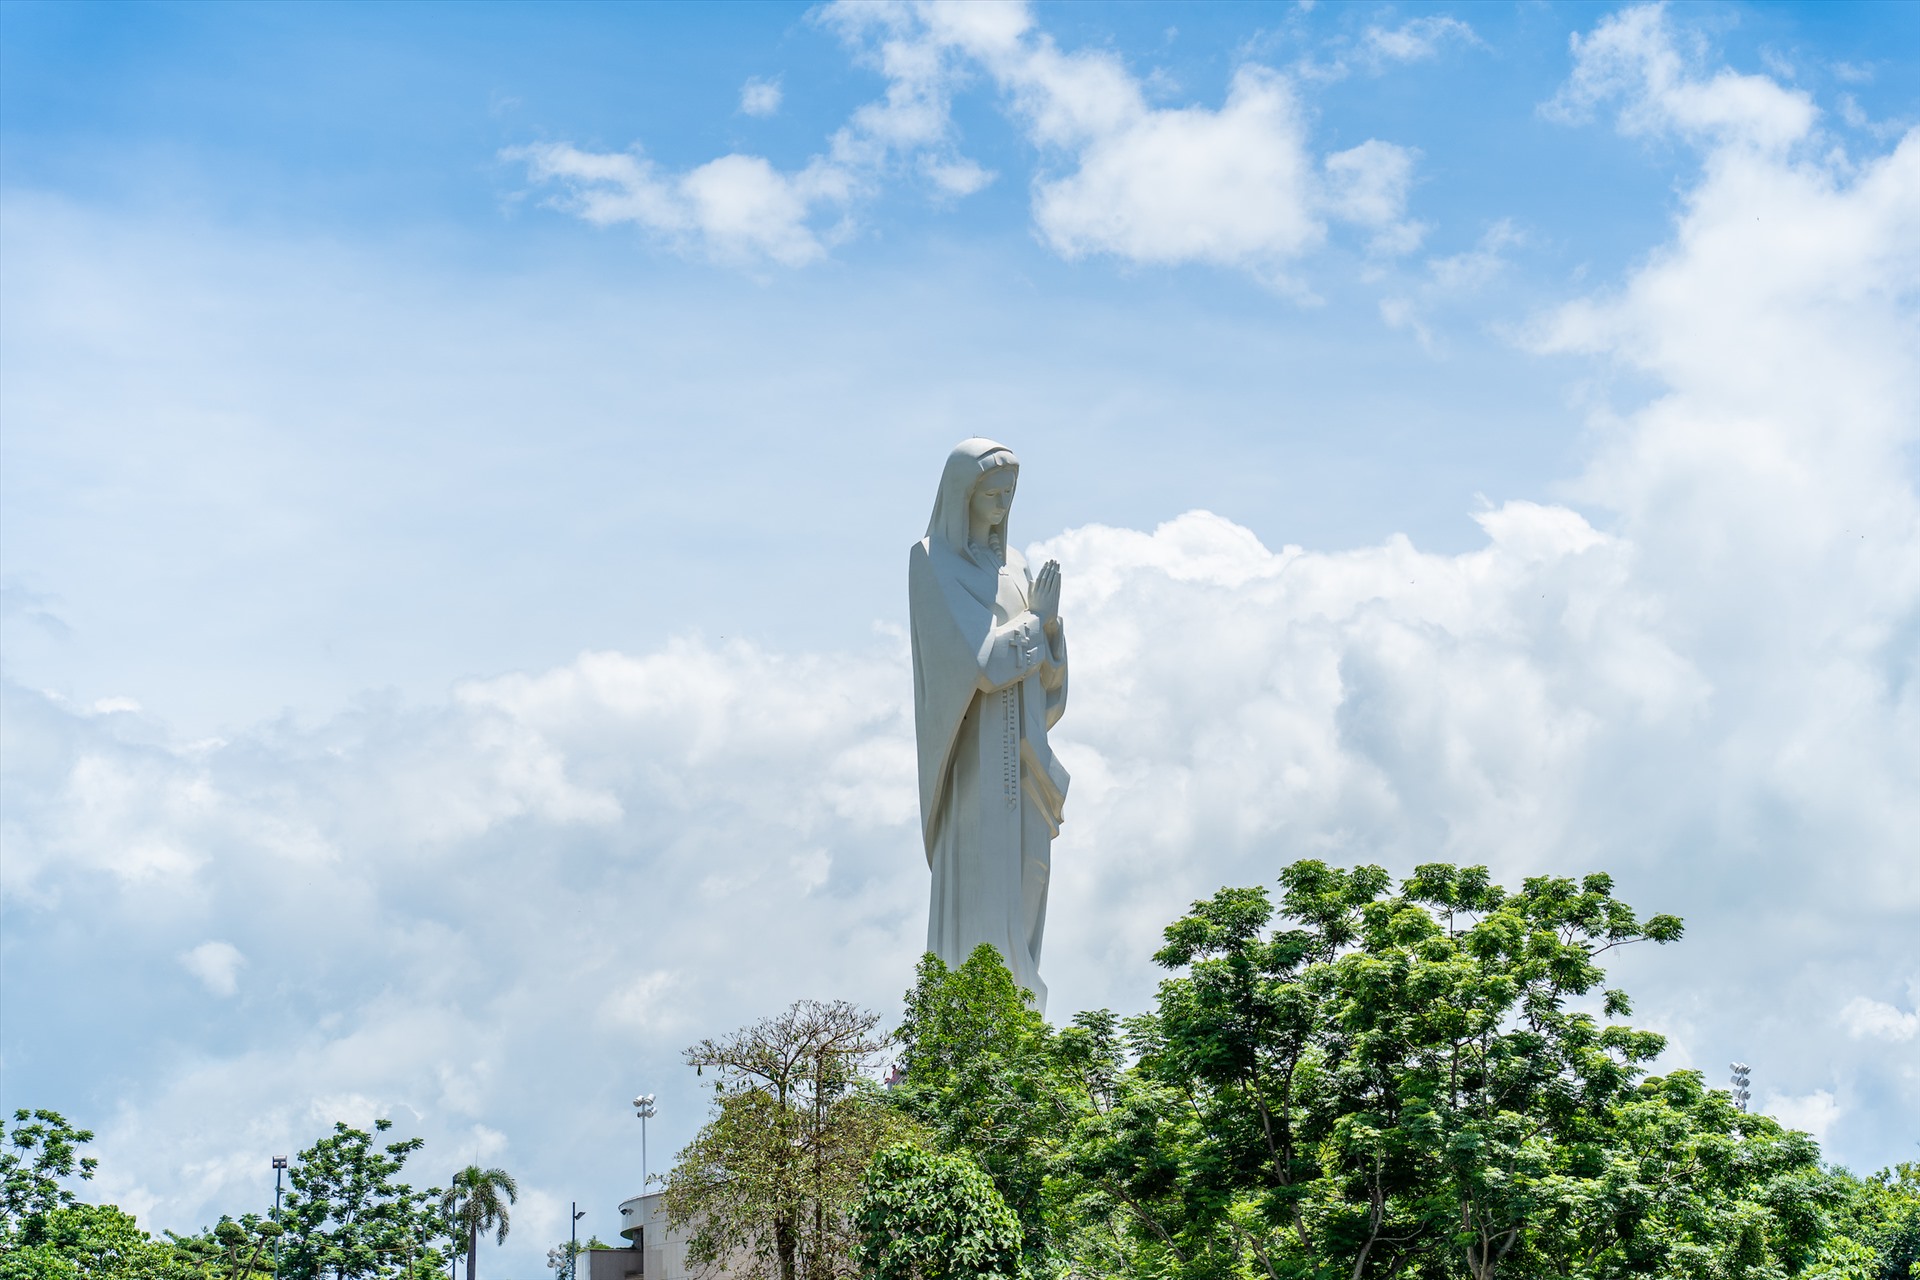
(1026, 640)
(1044, 600)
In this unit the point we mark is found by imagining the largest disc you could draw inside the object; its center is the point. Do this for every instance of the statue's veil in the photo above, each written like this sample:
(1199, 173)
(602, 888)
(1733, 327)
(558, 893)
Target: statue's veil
(969, 460)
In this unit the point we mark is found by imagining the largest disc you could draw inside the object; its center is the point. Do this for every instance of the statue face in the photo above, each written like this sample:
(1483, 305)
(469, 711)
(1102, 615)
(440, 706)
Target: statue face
(992, 496)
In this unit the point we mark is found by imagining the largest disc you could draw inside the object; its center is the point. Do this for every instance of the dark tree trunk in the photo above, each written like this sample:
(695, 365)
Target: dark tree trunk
(473, 1249)
(784, 1243)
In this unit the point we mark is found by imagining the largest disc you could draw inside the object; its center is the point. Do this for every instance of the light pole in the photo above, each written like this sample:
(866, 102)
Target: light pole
(573, 1241)
(643, 1107)
(1742, 1077)
(279, 1168)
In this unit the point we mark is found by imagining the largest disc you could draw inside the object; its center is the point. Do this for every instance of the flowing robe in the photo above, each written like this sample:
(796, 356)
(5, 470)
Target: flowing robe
(988, 685)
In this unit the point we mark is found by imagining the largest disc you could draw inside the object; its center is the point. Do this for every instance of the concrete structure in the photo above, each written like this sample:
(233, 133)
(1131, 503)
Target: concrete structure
(989, 681)
(653, 1251)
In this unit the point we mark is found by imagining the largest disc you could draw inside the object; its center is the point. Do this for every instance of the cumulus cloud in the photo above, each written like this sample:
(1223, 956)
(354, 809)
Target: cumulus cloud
(1190, 185)
(738, 209)
(760, 97)
(1877, 1020)
(217, 965)
(1813, 1113)
(1368, 185)
(960, 177)
(1658, 79)
(1415, 40)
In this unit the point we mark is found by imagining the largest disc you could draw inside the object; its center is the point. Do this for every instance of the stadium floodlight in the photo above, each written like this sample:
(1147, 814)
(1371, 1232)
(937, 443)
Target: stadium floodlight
(1742, 1078)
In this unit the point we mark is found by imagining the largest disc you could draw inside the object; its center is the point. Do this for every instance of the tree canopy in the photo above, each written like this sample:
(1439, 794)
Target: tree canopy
(767, 1187)
(39, 1151)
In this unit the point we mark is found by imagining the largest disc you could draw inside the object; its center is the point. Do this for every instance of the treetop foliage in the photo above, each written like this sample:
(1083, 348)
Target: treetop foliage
(348, 1216)
(39, 1151)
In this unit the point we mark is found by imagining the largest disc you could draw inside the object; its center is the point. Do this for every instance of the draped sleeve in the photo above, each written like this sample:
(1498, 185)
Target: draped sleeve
(947, 639)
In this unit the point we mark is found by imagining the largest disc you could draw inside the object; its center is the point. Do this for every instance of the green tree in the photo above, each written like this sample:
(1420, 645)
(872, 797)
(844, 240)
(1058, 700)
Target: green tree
(348, 1216)
(1425, 1083)
(40, 1150)
(477, 1202)
(88, 1242)
(990, 1079)
(924, 1216)
(1684, 1184)
(767, 1187)
(1876, 1233)
(45, 1233)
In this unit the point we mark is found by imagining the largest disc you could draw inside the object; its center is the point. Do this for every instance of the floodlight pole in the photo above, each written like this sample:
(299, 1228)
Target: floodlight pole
(1742, 1077)
(279, 1168)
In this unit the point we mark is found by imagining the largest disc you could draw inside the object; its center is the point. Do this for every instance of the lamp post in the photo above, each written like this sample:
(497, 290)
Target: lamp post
(643, 1107)
(573, 1242)
(279, 1168)
(1742, 1077)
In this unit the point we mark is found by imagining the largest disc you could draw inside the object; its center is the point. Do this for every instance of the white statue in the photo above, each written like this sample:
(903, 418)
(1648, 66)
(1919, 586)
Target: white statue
(989, 680)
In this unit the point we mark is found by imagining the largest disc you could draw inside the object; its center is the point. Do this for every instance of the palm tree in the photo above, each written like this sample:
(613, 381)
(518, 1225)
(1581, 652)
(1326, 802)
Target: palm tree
(474, 1202)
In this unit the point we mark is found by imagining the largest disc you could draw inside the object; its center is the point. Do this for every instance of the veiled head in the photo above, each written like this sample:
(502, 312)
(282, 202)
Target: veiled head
(979, 474)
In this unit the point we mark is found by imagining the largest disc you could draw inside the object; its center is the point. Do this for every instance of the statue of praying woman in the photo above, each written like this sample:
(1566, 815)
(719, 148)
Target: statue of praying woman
(989, 681)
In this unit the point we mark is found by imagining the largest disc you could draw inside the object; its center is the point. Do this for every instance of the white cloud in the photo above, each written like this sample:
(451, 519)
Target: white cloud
(1368, 185)
(760, 97)
(217, 965)
(1236, 186)
(737, 209)
(1814, 1113)
(956, 177)
(1877, 1020)
(486, 1144)
(1230, 187)
(1634, 58)
(1416, 39)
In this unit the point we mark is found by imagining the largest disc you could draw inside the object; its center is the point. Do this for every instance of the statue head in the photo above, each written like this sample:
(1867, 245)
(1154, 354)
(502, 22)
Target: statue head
(976, 492)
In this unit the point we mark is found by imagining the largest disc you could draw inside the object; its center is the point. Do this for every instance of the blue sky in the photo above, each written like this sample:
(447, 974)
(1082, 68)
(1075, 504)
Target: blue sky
(456, 466)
